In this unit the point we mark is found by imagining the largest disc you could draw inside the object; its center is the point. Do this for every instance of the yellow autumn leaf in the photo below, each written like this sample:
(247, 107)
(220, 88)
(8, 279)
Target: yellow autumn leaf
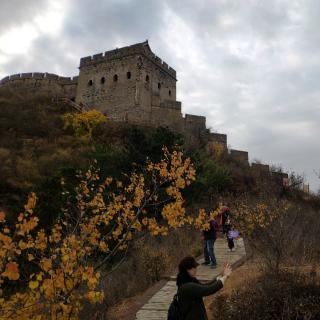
(39, 276)
(48, 288)
(12, 271)
(30, 257)
(33, 284)
(46, 264)
(69, 284)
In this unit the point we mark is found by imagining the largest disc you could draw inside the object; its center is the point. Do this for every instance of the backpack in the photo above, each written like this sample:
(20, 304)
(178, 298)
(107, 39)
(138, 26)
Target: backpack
(174, 312)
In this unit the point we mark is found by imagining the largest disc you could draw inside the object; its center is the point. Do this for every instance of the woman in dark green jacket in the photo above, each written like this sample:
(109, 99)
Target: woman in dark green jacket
(191, 291)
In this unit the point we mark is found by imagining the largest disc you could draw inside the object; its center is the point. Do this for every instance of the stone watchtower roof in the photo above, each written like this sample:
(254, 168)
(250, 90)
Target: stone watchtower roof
(142, 48)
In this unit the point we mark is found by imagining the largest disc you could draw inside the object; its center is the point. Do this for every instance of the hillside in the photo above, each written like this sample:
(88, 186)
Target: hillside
(89, 183)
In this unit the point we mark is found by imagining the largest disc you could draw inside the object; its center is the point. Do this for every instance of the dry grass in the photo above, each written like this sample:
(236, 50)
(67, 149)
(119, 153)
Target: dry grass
(251, 292)
(239, 277)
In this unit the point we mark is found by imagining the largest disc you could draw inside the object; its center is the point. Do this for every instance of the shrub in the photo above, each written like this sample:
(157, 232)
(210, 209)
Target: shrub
(286, 295)
(155, 261)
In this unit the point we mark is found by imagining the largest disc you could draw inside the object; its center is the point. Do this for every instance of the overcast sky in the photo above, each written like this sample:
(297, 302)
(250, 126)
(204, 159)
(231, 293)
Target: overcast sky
(251, 67)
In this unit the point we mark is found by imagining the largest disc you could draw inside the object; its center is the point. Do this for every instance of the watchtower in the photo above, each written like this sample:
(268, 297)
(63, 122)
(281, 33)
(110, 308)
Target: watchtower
(130, 84)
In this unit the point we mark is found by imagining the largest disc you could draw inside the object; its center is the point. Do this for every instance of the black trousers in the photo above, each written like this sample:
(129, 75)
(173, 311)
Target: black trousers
(230, 243)
(225, 230)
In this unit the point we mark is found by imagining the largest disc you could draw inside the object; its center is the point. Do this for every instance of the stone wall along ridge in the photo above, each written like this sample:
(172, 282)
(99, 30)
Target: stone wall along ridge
(39, 76)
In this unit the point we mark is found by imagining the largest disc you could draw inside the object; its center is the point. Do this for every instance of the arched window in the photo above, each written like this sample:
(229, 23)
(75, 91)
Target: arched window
(90, 83)
(115, 78)
(159, 85)
(169, 93)
(147, 78)
(103, 80)
(128, 75)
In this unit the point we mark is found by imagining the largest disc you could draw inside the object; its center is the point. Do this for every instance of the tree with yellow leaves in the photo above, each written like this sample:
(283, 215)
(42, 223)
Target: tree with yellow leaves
(268, 225)
(83, 123)
(252, 218)
(60, 270)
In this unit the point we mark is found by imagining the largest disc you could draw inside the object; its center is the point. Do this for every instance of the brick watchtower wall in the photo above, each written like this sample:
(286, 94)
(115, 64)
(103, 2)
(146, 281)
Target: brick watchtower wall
(107, 82)
(130, 84)
(133, 84)
(47, 84)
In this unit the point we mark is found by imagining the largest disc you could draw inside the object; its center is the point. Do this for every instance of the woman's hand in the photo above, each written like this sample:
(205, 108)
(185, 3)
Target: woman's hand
(227, 270)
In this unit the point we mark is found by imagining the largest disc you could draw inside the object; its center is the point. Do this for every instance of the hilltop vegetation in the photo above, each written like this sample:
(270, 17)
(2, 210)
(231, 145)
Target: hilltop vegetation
(39, 146)
(37, 149)
(80, 164)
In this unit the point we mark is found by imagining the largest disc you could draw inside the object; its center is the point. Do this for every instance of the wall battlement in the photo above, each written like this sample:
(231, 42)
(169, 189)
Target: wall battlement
(39, 76)
(136, 49)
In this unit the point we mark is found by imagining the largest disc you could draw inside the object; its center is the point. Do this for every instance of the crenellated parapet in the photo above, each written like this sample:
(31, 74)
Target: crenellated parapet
(39, 76)
(47, 84)
(136, 49)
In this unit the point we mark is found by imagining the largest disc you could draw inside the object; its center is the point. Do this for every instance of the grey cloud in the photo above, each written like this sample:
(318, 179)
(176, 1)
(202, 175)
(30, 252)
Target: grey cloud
(113, 23)
(229, 19)
(16, 12)
(46, 55)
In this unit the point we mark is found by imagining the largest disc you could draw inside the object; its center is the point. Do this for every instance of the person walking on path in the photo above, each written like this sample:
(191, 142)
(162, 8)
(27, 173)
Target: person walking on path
(227, 226)
(191, 291)
(209, 238)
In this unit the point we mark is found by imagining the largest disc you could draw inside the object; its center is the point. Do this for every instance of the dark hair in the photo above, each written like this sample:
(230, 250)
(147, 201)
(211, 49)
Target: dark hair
(183, 276)
(187, 263)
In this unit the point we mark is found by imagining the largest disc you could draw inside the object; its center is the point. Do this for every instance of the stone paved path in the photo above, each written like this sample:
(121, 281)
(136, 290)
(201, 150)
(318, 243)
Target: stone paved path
(156, 308)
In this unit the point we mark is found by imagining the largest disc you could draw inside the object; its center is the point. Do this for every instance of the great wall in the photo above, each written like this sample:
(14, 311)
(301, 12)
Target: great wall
(133, 85)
